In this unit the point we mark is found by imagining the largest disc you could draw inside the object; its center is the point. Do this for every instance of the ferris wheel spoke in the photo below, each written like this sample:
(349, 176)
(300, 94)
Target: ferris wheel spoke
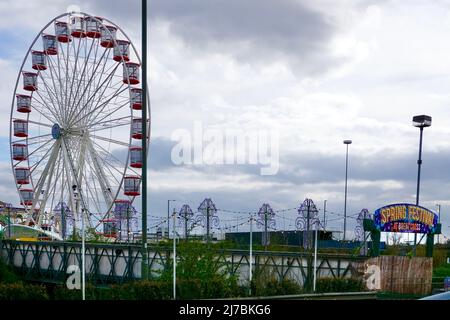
(98, 110)
(97, 84)
(65, 62)
(40, 123)
(82, 77)
(34, 167)
(51, 93)
(40, 106)
(32, 153)
(44, 104)
(122, 121)
(120, 143)
(74, 73)
(31, 138)
(87, 103)
(108, 155)
(72, 114)
(107, 163)
(112, 69)
(57, 73)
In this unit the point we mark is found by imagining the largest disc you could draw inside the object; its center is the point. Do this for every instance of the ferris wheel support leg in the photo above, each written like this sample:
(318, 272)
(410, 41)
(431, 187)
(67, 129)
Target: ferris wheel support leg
(40, 184)
(72, 167)
(104, 184)
(43, 202)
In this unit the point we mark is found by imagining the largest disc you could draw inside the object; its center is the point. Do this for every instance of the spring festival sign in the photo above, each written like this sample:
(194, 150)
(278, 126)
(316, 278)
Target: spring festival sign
(407, 218)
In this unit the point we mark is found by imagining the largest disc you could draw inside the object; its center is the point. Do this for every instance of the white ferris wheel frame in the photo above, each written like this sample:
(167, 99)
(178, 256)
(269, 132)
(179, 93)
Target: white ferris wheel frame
(60, 144)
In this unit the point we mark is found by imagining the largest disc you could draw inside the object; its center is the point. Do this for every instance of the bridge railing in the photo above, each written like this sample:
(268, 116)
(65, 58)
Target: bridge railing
(118, 263)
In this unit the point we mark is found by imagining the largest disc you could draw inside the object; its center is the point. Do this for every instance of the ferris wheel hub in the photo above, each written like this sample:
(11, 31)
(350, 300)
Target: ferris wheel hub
(56, 131)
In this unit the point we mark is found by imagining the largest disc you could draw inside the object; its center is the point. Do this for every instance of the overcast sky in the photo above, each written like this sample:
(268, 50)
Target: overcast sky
(317, 71)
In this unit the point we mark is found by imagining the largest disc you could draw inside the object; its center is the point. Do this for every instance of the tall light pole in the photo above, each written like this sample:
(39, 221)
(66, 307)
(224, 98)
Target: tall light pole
(347, 143)
(439, 218)
(420, 122)
(168, 216)
(144, 265)
(174, 216)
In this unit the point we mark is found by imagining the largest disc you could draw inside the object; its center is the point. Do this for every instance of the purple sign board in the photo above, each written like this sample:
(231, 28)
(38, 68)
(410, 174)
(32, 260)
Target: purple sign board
(404, 217)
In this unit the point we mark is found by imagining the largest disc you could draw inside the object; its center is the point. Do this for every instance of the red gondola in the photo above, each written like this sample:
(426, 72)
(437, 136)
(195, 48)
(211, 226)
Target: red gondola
(108, 36)
(22, 175)
(121, 208)
(30, 81)
(131, 185)
(38, 59)
(62, 32)
(122, 51)
(136, 128)
(20, 128)
(78, 27)
(136, 98)
(109, 228)
(23, 103)
(93, 26)
(27, 197)
(20, 152)
(131, 73)
(136, 157)
(50, 45)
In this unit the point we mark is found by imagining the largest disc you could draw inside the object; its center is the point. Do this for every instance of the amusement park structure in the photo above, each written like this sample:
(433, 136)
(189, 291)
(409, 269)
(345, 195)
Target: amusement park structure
(76, 131)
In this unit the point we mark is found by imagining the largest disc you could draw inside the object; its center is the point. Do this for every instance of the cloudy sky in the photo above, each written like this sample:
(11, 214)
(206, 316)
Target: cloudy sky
(317, 72)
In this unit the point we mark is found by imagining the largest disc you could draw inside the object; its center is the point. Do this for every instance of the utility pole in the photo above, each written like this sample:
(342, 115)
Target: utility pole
(439, 219)
(250, 260)
(315, 257)
(174, 257)
(324, 213)
(419, 164)
(420, 122)
(9, 220)
(63, 222)
(346, 142)
(168, 217)
(144, 265)
(128, 223)
(83, 257)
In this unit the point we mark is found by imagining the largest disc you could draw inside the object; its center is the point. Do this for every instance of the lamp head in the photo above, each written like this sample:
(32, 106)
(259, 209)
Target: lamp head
(422, 121)
(347, 141)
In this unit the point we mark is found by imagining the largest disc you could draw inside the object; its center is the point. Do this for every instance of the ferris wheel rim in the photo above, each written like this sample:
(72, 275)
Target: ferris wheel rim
(129, 88)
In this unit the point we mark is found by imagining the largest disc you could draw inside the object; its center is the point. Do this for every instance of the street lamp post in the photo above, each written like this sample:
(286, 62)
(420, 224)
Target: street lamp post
(346, 142)
(439, 217)
(144, 261)
(420, 122)
(168, 217)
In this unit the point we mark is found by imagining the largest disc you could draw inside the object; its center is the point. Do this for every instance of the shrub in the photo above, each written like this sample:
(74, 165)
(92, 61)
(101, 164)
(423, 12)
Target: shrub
(266, 283)
(6, 274)
(20, 291)
(339, 285)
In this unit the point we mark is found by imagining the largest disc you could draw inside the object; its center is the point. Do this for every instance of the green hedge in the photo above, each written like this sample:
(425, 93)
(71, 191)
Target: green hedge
(339, 285)
(20, 291)
(152, 290)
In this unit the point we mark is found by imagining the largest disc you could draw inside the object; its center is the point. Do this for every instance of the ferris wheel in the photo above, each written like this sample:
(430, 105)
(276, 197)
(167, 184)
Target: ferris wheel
(76, 123)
